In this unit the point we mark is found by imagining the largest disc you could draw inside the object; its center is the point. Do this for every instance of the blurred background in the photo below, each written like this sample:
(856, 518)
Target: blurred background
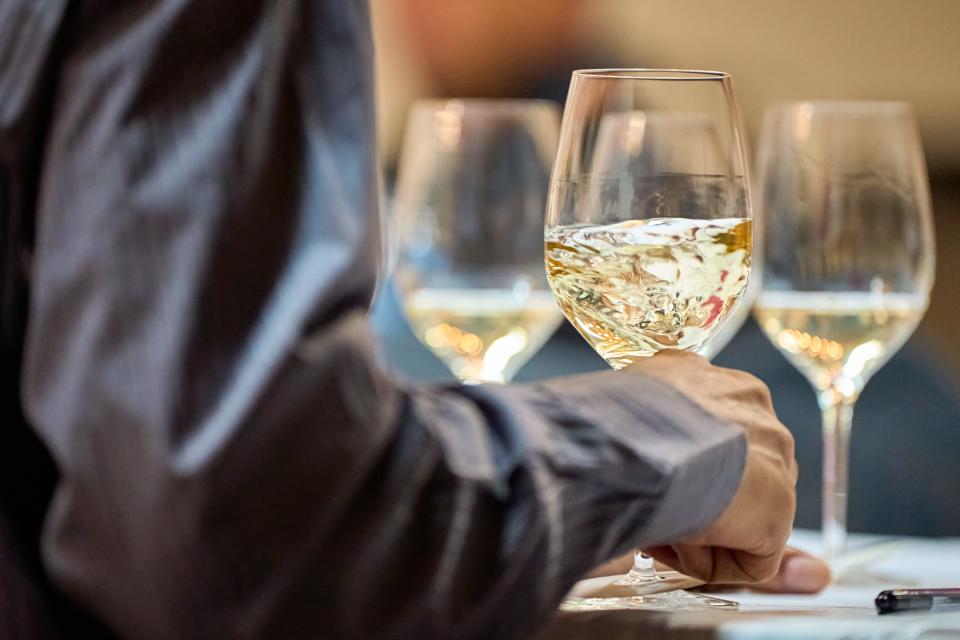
(905, 466)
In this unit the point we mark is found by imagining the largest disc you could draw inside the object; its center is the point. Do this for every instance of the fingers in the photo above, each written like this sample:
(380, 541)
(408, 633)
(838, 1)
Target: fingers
(758, 520)
(799, 572)
(720, 565)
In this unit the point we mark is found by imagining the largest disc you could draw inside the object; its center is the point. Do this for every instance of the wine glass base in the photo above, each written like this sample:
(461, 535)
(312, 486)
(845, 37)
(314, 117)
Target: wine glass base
(643, 590)
(648, 583)
(672, 600)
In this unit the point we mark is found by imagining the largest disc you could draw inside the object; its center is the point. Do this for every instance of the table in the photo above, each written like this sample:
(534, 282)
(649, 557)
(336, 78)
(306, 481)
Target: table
(844, 610)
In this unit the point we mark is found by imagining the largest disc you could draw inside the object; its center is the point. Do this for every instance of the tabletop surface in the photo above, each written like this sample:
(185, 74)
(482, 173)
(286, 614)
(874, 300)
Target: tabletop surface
(844, 610)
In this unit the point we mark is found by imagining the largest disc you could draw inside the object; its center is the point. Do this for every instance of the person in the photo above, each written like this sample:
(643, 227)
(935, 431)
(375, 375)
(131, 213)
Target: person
(197, 440)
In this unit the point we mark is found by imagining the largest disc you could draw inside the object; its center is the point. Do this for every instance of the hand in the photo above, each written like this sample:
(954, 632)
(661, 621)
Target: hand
(799, 572)
(746, 543)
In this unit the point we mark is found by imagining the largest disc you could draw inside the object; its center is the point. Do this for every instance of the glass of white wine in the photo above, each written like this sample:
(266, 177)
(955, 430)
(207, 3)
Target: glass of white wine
(849, 257)
(470, 196)
(648, 230)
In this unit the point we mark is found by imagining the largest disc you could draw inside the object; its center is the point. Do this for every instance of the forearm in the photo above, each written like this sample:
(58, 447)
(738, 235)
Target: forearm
(457, 512)
(449, 512)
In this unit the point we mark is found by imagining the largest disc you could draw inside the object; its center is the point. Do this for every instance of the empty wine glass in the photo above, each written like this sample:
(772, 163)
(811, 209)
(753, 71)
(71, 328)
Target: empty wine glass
(469, 204)
(648, 231)
(849, 257)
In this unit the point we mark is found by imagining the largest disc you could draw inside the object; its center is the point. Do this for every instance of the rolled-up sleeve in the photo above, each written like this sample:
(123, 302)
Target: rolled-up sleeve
(232, 461)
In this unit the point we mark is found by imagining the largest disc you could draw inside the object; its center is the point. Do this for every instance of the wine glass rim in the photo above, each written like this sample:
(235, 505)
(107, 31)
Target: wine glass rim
(846, 107)
(653, 74)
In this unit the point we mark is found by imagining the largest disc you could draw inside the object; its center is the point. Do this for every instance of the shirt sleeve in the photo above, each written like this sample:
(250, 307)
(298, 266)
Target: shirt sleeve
(232, 461)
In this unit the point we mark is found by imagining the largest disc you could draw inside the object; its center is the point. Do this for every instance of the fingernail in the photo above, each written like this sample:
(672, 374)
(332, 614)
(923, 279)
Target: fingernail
(803, 574)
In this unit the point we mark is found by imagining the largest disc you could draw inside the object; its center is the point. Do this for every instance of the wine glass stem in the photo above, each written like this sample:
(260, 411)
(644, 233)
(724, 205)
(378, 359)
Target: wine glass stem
(642, 573)
(643, 565)
(837, 410)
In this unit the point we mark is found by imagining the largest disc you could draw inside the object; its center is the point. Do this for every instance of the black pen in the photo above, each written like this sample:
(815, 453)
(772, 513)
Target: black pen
(894, 600)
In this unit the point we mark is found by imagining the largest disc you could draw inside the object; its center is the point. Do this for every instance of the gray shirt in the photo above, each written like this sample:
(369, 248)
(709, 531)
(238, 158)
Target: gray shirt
(231, 462)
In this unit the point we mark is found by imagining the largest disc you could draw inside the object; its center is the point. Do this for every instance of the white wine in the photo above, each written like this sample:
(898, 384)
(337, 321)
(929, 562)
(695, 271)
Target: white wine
(838, 335)
(637, 287)
(483, 335)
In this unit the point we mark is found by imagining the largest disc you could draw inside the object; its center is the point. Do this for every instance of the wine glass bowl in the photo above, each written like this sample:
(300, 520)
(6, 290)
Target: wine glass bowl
(637, 287)
(649, 234)
(674, 256)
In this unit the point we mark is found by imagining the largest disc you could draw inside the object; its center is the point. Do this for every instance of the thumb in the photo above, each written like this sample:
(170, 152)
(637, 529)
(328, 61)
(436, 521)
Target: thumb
(799, 572)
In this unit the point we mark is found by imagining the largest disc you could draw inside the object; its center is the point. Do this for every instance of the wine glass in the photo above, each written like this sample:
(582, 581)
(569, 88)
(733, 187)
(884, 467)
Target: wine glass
(849, 258)
(648, 231)
(469, 207)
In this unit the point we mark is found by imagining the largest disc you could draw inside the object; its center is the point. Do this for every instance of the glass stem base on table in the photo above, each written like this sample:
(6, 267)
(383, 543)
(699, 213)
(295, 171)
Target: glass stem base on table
(650, 589)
